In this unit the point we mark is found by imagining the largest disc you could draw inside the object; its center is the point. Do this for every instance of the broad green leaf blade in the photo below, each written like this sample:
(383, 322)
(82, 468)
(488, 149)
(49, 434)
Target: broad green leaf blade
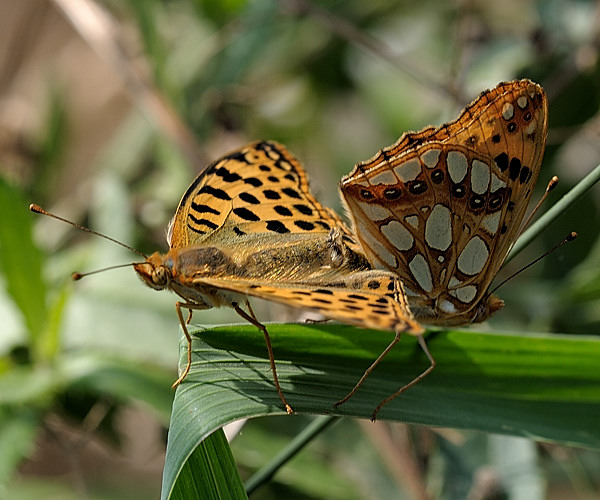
(21, 261)
(542, 386)
(209, 472)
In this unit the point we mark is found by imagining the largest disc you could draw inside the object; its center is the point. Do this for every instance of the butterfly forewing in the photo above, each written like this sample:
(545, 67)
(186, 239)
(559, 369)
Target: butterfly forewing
(260, 189)
(442, 207)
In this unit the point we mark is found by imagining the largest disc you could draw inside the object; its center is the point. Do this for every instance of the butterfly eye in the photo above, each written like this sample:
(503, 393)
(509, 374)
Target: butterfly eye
(159, 276)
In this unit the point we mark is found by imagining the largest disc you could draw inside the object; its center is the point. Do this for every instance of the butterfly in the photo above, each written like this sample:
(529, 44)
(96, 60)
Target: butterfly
(249, 226)
(442, 207)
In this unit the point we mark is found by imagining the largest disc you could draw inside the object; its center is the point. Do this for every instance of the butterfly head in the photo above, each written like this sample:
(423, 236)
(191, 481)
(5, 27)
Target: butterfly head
(156, 272)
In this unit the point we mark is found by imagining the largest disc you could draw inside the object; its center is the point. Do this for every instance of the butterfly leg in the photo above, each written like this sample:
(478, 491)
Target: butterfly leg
(404, 388)
(368, 371)
(251, 318)
(189, 306)
(414, 381)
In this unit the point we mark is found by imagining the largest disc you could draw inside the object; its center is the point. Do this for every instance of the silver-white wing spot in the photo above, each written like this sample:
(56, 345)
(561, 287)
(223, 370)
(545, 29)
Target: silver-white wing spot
(531, 127)
(465, 294)
(380, 252)
(438, 228)
(384, 177)
(490, 223)
(420, 270)
(496, 183)
(473, 257)
(522, 102)
(447, 306)
(409, 170)
(508, 111)
(431, 157)
(398, 235)
(457, 166)
(413, 220)
(373, 211)
(480, 177)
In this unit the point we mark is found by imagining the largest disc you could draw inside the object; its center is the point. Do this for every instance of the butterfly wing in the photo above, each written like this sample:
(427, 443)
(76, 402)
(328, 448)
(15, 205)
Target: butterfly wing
(260, 189)
(442, 207)
(369, 299)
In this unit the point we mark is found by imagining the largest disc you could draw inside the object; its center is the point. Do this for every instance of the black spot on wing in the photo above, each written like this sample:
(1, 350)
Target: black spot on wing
(502, 161)
(217, 193)
(392, 194)
(226, 175)
(238, 156)
(437, 176)
(271, 195)
(323, 224)
(277, 226)
(253, 181)
(304, 209)
(292, 193)
(204, 209)
(321, 301)
(514, 168)
(249, 198)
(246, 214)
(304, 225)
(357, 297)
(283, 211)
(525, 175)
(201, 222)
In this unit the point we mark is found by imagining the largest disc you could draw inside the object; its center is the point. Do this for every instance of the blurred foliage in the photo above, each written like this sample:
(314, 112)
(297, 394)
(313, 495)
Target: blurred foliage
(85, 368)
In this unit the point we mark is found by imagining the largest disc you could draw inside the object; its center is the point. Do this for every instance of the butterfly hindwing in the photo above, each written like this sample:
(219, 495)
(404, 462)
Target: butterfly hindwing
(369, 299)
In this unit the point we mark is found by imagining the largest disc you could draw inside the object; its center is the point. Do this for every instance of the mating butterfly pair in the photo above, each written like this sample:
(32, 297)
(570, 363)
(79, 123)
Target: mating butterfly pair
(438, 212)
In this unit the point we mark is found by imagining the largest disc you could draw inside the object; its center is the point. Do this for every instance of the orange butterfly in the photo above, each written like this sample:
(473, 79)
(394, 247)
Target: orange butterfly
(249, 226)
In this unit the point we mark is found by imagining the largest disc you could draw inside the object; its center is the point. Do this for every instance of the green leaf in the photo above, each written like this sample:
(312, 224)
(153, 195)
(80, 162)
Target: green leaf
(21, 261)
(209, 472)
(541, 386)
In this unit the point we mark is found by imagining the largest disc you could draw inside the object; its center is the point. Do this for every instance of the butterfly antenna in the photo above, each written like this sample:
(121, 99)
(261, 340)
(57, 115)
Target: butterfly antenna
(39, 210)
(551, 185)
(570, 237)
(78, 276)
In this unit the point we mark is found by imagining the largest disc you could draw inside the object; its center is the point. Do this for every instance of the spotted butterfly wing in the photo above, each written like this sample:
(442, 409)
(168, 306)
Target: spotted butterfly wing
(442, 207)
(258, 191)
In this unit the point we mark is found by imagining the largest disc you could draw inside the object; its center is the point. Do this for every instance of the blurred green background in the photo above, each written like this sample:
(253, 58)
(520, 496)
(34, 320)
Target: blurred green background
(108, 110)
